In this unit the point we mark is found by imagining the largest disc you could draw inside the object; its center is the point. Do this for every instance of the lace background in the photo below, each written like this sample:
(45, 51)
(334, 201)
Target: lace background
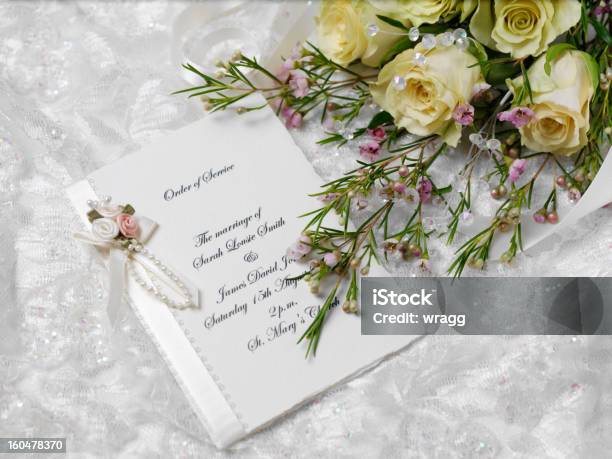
(84, 83)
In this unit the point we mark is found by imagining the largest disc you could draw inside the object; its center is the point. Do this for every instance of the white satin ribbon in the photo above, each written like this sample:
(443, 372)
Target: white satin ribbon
(193, 17)
(119, 258)
(293, 23)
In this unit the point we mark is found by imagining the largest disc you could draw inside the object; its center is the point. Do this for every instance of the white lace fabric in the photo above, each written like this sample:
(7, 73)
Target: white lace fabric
(83, 83)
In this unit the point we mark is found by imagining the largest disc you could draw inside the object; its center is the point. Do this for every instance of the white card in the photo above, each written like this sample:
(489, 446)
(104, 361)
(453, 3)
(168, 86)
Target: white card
(226, 192)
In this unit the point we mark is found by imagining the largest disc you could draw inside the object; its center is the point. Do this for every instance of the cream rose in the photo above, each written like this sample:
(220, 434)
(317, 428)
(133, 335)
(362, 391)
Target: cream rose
(431, 92)
(426, 11)
(105, 228)
(560, 104)
(342, 32)
(523, 27)
(109, 210)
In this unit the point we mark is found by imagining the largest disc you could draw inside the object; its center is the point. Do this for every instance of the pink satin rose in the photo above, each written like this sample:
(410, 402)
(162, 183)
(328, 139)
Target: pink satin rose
(128, 225)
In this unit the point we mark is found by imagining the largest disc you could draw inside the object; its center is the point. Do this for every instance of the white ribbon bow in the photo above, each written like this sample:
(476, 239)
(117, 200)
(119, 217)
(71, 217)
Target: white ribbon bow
(153, 274)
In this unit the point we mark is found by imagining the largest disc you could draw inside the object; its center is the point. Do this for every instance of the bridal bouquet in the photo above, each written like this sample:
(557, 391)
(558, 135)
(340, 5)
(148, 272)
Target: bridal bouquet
(523, 84)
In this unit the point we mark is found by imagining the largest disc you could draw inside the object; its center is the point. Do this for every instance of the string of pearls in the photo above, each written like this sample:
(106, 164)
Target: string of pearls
(184, 291)
(429, 41)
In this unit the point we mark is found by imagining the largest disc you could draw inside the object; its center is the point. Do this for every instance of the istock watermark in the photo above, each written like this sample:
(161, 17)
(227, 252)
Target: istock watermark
(384, 297)
(486, 306)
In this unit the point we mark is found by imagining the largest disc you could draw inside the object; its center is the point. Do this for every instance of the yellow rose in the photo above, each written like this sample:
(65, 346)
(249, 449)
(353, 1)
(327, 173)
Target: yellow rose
(342, 32)
(560, 103)
(426, 11)
(523, 27)
(425, 104)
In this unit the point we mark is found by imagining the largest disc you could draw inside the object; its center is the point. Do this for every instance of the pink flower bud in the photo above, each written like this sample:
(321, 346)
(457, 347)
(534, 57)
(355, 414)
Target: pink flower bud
(298, 82)
(293, 118)
(399, 187)
(518, 116)
(424, 188)
(331, 259)
(379, 134)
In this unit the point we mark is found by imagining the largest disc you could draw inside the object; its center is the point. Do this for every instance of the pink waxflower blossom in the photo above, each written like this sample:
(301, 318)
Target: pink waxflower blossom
(287, 66)
(424, 187)
(329, 197)
(331, 259)
(304, 244)
(290, 63)
(293, 118)
(362, 204)
(301, 248)
(464, 114)
(602, 8)
(293, 253)
(296, 52)
(518, 116)
(276, 104)
(379, 134)
(517, 168)
(370, 150)
(298, 82)
(424, 265)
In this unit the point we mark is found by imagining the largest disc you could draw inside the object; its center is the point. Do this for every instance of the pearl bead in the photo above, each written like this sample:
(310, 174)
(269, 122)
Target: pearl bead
(399, 82)
(446, 39)
(373, 30)
(459, 34)
(420, 59)
(414, 34)
(429, 41)
(462, 43)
